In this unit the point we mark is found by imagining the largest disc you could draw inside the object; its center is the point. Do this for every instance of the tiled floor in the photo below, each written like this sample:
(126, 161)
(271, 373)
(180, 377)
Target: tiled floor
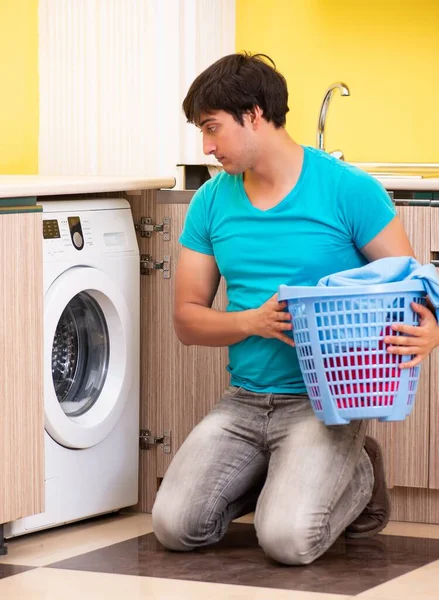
(119, 557)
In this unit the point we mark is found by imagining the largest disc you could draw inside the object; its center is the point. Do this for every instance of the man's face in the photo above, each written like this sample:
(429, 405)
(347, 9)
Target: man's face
(233, 145)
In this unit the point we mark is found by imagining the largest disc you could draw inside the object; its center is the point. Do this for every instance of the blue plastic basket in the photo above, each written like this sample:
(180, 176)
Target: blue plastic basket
(338, 332)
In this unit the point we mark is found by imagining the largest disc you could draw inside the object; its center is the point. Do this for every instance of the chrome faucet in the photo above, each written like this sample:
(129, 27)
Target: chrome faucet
(344, 91)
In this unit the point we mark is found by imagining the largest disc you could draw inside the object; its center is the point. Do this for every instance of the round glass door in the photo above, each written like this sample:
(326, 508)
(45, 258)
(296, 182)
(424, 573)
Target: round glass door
(89, 356)
(80, 355)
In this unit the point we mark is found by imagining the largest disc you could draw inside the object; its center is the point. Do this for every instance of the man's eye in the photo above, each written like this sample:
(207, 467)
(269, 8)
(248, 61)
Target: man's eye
(211, 129)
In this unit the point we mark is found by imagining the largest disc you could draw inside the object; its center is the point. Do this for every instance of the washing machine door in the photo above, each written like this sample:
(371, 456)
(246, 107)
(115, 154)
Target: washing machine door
(88, 358)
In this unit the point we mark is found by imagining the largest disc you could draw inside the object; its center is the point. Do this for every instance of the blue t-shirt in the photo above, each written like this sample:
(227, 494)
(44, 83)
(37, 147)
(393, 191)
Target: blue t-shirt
(316, 230)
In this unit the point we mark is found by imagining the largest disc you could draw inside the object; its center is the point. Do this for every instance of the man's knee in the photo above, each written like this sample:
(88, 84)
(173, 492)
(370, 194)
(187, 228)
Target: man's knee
(177, 526)
(167, 529)
(294, 543)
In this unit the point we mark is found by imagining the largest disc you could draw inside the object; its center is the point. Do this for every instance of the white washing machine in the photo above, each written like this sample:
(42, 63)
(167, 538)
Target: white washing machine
(91, 361)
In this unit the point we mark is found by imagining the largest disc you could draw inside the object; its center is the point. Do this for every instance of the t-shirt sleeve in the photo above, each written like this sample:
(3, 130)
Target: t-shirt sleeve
(195, 234)
(366, 207)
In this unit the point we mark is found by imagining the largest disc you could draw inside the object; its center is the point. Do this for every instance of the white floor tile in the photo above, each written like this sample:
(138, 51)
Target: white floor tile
(56, 584)
(52, 545)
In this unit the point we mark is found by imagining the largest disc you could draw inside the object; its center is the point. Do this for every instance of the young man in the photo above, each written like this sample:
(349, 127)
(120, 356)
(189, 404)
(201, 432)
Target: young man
(279, 213)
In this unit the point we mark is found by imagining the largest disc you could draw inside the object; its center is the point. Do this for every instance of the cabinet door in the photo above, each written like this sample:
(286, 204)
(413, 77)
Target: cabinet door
(406, 444)
(434, 374)
(179, 384)
(21, 355)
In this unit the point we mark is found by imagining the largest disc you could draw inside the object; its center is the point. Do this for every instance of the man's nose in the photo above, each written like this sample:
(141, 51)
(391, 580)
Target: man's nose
(209, 147)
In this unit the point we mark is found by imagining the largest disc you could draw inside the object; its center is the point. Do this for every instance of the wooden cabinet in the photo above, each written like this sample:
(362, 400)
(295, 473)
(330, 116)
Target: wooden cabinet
(434, 375)
(412, 447)
(21, 355)
(406, 443)
(180, 384)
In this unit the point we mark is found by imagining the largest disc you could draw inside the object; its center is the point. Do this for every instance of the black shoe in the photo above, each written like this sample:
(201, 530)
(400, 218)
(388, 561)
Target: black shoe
(376, 515)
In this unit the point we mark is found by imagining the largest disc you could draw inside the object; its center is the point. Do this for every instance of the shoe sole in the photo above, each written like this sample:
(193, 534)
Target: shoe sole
(368, 534)
(373, 532)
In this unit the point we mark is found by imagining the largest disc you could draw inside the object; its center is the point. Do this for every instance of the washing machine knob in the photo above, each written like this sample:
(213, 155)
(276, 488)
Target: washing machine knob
(78, 241)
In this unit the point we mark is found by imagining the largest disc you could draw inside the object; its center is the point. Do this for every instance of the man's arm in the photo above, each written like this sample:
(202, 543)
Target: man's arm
(391, 241)
(196, 283)
(417, 341)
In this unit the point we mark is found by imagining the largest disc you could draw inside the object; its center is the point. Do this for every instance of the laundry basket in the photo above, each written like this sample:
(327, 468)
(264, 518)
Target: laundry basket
(338, 332)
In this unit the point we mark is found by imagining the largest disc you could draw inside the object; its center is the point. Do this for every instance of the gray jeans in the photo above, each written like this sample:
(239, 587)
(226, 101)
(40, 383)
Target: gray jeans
(315, 479)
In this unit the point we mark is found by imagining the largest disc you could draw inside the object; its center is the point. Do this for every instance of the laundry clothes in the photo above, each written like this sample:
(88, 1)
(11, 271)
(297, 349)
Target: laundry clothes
(388, 270)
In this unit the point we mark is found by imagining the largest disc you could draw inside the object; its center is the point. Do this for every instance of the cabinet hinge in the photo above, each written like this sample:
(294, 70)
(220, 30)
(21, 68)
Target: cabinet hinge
(146, 227)
(147, 441)
(148, 265)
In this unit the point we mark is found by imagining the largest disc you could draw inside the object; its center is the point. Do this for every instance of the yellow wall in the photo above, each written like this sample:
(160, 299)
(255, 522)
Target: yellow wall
(387, 51)
(19, 86)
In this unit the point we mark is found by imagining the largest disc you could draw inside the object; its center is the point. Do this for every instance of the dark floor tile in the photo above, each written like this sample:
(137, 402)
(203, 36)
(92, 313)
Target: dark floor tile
(8, 570)
(349, 567)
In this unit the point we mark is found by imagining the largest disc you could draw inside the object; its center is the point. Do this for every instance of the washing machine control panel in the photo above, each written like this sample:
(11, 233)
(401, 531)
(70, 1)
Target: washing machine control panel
(87, 233)
(66, 232)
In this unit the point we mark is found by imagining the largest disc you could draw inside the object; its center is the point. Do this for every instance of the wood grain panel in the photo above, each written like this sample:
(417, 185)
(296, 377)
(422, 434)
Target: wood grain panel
(406, 444)
(434, 222)
(192, 378)
(143, 204)
(21, 360)
(415, 505)
(434, 377)
(179, 384)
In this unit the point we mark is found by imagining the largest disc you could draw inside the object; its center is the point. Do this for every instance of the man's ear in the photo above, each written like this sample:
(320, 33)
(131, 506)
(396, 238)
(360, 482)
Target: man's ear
(255, 115)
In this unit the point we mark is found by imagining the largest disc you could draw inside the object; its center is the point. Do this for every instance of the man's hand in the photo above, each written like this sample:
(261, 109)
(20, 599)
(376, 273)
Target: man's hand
(419, 341)
(270, 321)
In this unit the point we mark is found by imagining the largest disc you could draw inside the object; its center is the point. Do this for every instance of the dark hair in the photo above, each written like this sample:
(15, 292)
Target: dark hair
(235, 84)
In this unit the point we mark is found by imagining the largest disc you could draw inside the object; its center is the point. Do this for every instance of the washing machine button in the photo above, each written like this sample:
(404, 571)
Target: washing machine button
(78, 241)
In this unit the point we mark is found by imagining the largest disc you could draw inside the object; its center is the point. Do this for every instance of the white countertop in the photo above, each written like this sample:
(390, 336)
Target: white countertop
(426, 184)
(13, 186)
(404, 176)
